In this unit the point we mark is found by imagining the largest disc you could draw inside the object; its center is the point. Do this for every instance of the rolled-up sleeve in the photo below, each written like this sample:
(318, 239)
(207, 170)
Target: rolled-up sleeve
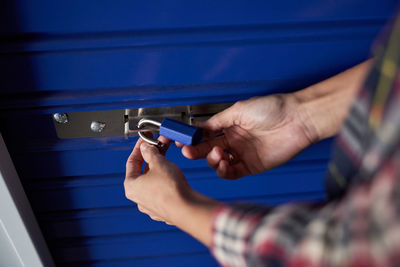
(251, 235)
(360, 229)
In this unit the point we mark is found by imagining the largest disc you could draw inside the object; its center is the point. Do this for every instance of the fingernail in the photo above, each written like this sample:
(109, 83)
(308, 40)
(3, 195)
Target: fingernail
(144, 146)
(214, 154)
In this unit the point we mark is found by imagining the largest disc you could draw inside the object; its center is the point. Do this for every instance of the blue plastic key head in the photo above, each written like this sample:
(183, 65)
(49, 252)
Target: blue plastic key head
(181, 132)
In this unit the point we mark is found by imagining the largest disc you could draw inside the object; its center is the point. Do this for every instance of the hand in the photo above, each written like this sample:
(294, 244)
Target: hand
(260, 133)
(161, 189)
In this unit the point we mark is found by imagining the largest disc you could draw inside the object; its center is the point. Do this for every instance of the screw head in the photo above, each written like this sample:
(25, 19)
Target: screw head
(97, 126)
(60, 117)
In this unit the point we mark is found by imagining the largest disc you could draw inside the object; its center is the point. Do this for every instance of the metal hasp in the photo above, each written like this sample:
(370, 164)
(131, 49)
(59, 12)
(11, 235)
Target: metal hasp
(124, 122)
(90, 124)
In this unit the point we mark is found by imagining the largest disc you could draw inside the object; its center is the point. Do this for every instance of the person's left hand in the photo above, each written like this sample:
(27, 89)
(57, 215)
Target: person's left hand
(161, 189)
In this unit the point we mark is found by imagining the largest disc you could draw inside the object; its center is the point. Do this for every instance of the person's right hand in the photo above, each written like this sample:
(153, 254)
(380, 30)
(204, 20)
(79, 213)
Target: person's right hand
(260, 133)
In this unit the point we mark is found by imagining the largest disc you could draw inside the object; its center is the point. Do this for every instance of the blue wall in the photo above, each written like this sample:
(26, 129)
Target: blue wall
(64, 56)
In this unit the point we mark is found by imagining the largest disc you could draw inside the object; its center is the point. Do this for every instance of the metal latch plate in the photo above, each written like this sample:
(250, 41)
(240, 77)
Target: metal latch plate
(124, 121)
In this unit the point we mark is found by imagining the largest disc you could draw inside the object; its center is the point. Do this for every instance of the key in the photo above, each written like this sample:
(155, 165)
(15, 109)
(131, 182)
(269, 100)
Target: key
(174, 130)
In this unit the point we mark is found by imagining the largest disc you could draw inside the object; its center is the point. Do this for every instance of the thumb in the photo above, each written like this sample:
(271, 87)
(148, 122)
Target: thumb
(149, 152)
(221, 120)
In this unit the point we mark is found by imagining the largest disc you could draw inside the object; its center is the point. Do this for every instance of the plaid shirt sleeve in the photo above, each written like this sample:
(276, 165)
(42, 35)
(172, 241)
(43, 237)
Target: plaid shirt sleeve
(360, 229)
(360, 224)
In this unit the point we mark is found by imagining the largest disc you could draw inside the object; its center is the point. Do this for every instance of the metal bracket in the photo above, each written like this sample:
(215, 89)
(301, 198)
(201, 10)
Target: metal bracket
(124, 122)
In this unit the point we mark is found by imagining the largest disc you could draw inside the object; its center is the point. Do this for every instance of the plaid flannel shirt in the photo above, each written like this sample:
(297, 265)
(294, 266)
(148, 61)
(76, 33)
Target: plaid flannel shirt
(359, 225)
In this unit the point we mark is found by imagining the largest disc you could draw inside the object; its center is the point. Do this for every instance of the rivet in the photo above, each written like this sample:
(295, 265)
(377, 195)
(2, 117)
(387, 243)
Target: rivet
(97, 126)
(60, 117)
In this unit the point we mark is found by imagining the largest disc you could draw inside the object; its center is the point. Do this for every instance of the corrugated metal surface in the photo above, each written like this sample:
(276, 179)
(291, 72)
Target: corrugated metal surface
(90, 55)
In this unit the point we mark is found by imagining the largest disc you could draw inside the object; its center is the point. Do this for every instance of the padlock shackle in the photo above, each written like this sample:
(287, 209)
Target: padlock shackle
(149, 140)
(148, 121)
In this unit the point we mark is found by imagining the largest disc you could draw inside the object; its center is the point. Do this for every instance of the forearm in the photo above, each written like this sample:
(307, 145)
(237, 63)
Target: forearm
(194, 214)
(324, 106)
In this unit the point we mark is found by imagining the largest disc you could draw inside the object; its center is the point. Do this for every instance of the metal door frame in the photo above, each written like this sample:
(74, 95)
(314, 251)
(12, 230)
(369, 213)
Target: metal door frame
(21, 241)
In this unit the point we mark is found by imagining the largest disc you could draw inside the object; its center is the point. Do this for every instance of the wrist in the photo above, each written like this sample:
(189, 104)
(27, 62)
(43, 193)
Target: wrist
(322, 110)
(307, 115)
(321, 114)
(324, 106)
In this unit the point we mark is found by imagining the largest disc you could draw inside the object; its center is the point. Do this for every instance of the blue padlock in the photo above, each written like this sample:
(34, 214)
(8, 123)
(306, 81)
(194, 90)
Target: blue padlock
(174, 130)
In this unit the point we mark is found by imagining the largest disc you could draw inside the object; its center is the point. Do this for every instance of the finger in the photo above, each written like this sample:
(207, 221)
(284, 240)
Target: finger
(135, 161)
(150, 153)
(150, 135)
(166, 142)
(178, 144)
(162, 150)
(201, 150)
(223, 119)
(215, 156)
(232, 172)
